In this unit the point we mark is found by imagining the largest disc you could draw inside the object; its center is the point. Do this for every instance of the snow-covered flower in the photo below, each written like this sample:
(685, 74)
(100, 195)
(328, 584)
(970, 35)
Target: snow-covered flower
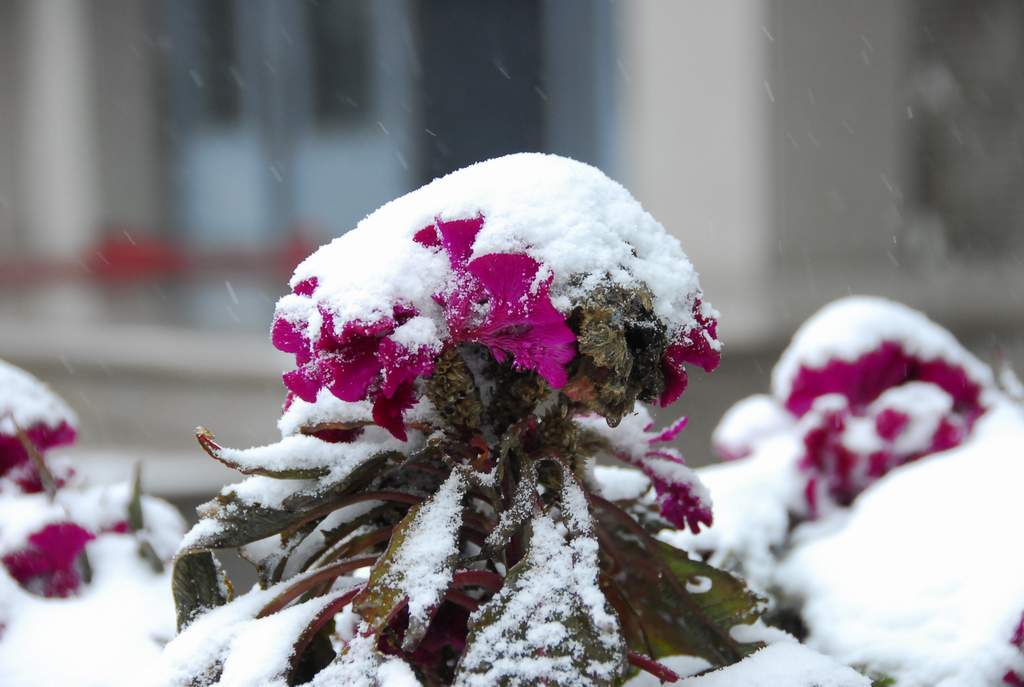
(462, 356)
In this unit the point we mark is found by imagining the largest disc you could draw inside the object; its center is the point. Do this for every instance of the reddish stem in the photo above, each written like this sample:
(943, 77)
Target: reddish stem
(648, 664)
(319, 620)
(487, 579)
(462, 599)
(306, 583)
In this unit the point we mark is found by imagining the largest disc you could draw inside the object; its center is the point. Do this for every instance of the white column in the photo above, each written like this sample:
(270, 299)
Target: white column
(58, 203)
(693, 102)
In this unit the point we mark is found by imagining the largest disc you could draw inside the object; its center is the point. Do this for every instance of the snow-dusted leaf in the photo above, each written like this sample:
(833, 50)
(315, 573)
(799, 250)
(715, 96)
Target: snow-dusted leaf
(669, 604)
(549, 624)
(417, 567)
(240, 515)
(519, 509)
(198, 584)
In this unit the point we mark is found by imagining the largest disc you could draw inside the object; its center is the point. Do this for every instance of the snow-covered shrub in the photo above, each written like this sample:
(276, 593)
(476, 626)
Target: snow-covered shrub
(82, 573)
(909, 568)
(460, 358)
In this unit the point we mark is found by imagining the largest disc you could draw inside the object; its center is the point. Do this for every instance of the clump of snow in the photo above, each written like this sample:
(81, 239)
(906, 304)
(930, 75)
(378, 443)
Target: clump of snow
(747, 422)
(924, 579)
(558, 581)
(27, 401)
(784, 664)
(110, 633)
(362, 666)
(754, 498)
(619, 483)
(422, 565)
(329, 409)
(584, 229)
(303, 452)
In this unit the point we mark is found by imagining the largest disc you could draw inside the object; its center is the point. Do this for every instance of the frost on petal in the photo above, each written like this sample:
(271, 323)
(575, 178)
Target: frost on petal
(306, 287)
(47, 564)
(400, 365)
(521, 321)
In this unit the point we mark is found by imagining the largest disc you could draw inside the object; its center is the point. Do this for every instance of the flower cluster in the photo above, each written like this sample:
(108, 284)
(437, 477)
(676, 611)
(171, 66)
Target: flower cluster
(463, 356)
(867, 385)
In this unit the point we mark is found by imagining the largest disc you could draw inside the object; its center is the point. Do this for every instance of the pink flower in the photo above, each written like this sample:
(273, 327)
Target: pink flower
(501, 301)
(356, 363)
(14, 460)
(47, 564)
(682, 499)
(856, 428)
(699, 346)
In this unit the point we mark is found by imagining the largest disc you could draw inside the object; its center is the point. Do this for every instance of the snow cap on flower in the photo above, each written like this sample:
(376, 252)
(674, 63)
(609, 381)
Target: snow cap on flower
(875, 385)
(497, 254)
(28, 405)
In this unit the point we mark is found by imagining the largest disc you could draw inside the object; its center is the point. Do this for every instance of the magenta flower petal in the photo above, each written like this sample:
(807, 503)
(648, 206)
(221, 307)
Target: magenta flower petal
(675, 375)
(681, 507)
(457, 237)
(427, 237)
(522, 321)
(349, 375)
(400, 365)
(47, 562)
(287, 337)
(669, 433)
(304, 382)
(306, 287)
(388, 412)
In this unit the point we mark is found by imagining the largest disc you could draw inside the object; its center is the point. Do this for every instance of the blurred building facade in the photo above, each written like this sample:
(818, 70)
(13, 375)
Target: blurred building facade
(163, 165)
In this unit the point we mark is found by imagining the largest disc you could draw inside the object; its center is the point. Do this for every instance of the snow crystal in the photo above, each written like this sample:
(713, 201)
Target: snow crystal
(27, 401)
(583, 228)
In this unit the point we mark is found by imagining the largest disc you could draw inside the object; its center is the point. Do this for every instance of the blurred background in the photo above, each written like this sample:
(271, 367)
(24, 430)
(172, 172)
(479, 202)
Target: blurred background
(164, 165)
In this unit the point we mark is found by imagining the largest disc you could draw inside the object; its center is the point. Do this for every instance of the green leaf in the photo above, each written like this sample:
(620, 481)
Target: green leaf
(542, 626)
(439, 518)
(646, 581)
(198, 584)
(216, 451)
(240, 521)
(135, 521)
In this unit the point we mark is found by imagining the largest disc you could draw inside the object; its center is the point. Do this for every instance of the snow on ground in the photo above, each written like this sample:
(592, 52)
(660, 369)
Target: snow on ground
(922, 576)
(924, 581)
(112, 631)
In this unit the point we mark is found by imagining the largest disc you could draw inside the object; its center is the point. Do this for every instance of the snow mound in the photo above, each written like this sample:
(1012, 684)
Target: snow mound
(584, 229)
(111, 632)
(27, 401)
(924, 579)
(849, 328)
